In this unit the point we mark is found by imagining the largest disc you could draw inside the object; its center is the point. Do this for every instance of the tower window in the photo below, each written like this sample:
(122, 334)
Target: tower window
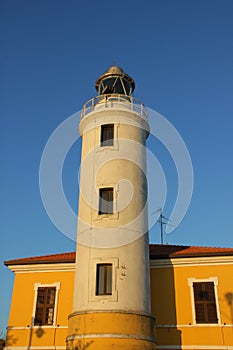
(106, 201)
(107, 135)
(45, 306)
(103, 279)
(205, 304)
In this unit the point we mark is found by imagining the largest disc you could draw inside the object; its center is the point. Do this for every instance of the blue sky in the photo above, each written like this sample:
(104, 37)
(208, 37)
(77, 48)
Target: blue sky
(180, 54)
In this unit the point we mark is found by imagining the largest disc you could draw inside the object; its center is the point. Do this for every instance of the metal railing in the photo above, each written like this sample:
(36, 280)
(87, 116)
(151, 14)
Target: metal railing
(115, 100)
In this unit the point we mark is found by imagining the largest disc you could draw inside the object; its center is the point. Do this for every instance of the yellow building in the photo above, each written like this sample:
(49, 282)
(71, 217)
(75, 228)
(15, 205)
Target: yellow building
(191, 297)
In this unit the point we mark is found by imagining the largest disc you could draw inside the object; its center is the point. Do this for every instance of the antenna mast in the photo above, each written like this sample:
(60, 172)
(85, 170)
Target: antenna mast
(162, 222)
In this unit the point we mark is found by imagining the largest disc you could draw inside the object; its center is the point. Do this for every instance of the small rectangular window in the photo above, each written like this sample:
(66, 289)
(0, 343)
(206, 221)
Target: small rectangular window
(106, 201)
(107, 135)
(103, 279)
(45, 306)
(205, 303)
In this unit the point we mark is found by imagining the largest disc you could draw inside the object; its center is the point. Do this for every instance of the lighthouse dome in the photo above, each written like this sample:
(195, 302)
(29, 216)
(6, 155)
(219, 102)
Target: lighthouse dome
(115, 81)
(115, 70)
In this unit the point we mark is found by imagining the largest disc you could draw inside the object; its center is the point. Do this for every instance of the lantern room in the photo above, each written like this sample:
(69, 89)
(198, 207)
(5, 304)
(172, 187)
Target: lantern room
(115, 81)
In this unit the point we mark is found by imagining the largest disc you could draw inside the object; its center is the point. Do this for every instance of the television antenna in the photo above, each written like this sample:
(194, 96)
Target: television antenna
(163, 220)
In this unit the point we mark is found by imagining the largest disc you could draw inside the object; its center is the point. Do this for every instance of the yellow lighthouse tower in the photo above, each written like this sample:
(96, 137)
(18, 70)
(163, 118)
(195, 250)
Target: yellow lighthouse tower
(111, 307)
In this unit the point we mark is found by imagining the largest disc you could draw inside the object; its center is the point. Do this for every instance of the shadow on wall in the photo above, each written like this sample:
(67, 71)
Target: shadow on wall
(38, 332)
(10, 340)
(229, 299)
(164, 307)
(80, 346)
(2, 344)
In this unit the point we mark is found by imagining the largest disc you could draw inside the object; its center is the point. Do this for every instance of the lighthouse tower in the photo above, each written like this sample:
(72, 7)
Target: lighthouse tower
(111, 308)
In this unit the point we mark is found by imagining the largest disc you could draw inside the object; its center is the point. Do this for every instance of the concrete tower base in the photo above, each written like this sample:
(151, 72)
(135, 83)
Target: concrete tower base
(122, 331)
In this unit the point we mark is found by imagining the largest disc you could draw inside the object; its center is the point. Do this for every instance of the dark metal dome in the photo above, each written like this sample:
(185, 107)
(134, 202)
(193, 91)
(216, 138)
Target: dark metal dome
(115, 81)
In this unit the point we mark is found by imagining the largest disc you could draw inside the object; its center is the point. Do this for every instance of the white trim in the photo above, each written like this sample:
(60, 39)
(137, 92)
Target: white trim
(45, 267)
(162, 347)
(156, 263)
(92, 279)
(195, 347)
(35, 327)
(120, 114)
(205, 325)
(111, 335)
(115, 146)
(36, 286)
(197, 280)
(106, 217)
(53, 347)
(194, 261)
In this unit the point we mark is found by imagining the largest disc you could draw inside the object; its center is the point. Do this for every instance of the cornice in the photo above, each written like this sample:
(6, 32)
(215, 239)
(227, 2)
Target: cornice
(42, 267)
(157, 263)
(194, 261)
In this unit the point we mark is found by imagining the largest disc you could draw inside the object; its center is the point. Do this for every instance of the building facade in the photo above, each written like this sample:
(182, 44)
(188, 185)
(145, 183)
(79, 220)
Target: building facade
(116, 294)
(191, 297)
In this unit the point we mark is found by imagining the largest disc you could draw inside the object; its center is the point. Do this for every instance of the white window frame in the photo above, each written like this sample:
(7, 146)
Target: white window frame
(47, 285)
(115, 145)
(101, 130)
(92, 279)
(115, 214)
(107, 202)
(199, 280)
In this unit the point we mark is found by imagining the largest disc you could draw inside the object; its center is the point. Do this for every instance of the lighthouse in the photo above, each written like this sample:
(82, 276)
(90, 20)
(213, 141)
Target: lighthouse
(111, 306)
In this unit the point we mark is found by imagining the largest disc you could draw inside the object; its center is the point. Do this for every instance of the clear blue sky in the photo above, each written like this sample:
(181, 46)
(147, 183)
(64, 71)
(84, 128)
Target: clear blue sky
(180, 54)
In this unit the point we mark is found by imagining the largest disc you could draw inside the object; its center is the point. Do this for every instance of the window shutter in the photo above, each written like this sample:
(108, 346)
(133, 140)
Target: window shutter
(45, 306)
(205, 304)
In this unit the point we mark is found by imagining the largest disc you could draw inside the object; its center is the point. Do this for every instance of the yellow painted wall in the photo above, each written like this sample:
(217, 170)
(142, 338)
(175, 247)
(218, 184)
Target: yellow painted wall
(128, 331)
(22, 308)
(171, 306)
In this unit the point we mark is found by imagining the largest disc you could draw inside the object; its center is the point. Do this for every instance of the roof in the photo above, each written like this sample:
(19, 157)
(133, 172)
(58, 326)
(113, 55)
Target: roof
(113, 72)
(157, 251)
(44, 259)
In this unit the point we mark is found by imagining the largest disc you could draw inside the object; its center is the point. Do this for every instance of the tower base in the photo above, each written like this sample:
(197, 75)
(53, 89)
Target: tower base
(108, 330)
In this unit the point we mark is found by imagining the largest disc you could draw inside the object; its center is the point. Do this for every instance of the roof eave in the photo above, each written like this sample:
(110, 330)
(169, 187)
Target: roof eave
(190, 255)
(21, 262)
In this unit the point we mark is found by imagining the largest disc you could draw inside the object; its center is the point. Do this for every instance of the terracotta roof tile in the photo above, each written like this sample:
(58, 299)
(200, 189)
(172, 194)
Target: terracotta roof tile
(157, 251)
(44, 259)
